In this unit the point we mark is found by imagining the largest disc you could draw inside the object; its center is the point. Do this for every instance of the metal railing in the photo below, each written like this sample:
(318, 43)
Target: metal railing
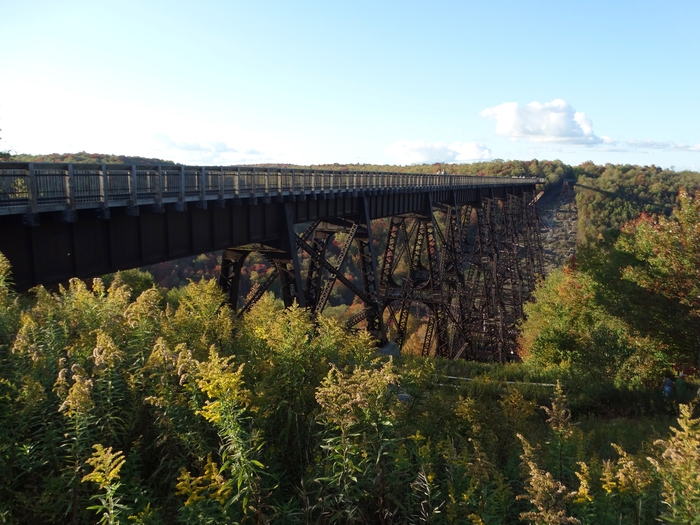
(34, 188)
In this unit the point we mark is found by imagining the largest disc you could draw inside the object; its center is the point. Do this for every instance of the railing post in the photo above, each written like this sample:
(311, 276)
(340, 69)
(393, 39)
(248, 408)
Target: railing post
(159, 188)
(70, 194)
(182, 185)
(279, 184)
(221, 183)
(68, 186)
(202, 185)
(237, 184)
(103, 185)
(132, 208)
(32, 189)
(133, 183)
(103, 211)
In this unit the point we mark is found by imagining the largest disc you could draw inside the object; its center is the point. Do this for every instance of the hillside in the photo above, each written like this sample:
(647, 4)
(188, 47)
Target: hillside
(88, 158)
(611, 195)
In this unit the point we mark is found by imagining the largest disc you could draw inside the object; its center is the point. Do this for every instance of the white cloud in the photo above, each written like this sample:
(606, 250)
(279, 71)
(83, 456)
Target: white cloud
(216, 146)
(212, 152)
(555, 121)
(418, 152)
(662, 145)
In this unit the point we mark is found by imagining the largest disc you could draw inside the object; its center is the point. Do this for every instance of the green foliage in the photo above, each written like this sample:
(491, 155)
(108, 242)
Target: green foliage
(9, 308)
(201, 319)
(569, 326)
(356, 415)
(667, 252)
(137, 280)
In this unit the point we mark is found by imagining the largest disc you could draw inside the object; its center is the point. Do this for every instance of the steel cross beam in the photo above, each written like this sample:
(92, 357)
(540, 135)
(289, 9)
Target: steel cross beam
(257, 292)
(328, 287)
(321, 261)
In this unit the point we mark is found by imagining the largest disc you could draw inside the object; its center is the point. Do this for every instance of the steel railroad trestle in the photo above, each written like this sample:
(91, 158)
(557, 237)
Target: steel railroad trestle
(463, 271)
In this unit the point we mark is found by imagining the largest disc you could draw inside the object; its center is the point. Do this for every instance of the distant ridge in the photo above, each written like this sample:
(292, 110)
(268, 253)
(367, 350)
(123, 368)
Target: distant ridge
(88, 158)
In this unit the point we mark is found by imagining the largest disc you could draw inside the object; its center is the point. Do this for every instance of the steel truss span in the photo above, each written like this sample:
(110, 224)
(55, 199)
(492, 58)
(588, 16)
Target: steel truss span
(460, 253)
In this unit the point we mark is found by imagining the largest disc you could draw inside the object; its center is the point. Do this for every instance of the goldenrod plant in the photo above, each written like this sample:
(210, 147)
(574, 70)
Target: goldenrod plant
(106, 466)
(676, 462)
(151, 411)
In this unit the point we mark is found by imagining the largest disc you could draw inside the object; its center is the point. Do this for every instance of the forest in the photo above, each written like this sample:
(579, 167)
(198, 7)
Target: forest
(88, 158)
(139, 397)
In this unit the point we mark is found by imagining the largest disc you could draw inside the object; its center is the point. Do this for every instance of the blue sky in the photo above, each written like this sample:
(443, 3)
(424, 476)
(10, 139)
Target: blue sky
(227, 82)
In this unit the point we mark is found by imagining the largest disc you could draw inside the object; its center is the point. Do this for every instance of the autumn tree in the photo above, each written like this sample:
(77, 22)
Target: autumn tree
(667, 252)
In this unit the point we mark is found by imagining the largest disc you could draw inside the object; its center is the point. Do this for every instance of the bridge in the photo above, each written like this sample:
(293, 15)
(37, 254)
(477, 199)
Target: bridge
(462, 253)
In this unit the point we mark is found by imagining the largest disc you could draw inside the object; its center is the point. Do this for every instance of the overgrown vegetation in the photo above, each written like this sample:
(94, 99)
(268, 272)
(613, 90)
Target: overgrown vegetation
(117, 409)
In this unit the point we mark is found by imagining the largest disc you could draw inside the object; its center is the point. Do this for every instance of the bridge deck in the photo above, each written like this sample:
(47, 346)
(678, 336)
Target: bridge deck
(27, 188)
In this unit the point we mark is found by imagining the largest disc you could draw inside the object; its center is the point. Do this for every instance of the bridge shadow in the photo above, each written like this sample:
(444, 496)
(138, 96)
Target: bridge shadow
(625, 196)
(649, 314)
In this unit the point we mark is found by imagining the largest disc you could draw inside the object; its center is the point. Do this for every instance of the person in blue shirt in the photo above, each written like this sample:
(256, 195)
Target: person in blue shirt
(667, 386)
